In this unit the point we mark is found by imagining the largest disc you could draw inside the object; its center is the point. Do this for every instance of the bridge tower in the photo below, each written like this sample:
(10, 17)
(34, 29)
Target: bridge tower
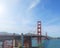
(46, 36)
(39, 33)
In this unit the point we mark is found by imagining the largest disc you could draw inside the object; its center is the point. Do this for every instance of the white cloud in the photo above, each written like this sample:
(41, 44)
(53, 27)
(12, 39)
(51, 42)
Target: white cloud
(9, 21)
(33, 4)
(52, 21)
(3, 8)
(52, 28)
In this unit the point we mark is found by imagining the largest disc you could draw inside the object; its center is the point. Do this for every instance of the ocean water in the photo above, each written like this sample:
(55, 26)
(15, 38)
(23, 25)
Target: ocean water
(52, 43)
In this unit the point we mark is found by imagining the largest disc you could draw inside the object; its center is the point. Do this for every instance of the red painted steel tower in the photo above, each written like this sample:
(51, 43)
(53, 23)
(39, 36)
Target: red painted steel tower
(39, 32)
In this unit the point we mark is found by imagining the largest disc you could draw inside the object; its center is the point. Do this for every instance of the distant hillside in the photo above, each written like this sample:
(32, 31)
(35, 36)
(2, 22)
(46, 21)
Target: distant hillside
(6, 33)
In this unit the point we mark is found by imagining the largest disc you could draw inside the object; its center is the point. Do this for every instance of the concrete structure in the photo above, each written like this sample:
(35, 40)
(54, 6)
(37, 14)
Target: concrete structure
(16, 40)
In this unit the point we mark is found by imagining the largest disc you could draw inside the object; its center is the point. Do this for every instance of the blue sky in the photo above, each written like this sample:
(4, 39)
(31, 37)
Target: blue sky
(22, 15)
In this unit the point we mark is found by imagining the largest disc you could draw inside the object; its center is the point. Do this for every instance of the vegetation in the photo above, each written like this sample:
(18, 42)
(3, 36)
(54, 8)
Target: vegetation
(20, 47)
(40, 45)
